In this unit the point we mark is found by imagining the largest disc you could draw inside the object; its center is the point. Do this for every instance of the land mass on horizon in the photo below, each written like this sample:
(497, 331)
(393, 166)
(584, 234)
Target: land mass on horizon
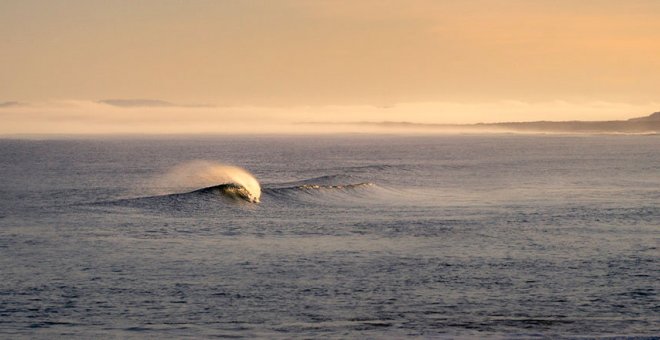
(647, 124)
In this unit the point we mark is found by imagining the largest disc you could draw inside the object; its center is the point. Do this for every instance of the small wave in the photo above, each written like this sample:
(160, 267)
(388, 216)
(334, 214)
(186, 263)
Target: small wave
(326, 180)
(322, 193)
(308, 187)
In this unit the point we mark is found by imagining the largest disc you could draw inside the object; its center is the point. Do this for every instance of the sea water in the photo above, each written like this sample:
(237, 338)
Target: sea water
(354, 236)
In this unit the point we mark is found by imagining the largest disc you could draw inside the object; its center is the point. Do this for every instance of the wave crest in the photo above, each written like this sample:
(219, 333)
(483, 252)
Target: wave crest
(330, 187)
(323, 193)
(228, 180)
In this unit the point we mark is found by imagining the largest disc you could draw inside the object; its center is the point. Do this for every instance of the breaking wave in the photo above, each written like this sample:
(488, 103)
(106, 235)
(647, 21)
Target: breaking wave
(214, 178)
(202, 182)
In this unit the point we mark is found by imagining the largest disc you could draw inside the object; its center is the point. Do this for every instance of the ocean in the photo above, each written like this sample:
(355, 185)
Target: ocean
(354, 236)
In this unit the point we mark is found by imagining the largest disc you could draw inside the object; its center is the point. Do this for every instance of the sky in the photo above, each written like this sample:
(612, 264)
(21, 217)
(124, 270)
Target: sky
(255, 66)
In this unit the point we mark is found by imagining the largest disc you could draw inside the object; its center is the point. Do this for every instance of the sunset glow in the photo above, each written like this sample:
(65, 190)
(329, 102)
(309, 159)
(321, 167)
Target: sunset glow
(264, 65)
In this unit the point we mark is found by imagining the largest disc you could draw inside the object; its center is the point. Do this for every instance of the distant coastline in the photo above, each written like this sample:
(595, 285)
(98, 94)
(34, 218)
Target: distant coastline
(649, 124)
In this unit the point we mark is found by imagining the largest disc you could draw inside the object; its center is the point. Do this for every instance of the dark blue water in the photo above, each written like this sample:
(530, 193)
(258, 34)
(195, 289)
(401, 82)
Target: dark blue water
(355, 236)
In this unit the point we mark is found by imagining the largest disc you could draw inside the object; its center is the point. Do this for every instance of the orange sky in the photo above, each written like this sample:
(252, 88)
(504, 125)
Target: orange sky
(427, 61)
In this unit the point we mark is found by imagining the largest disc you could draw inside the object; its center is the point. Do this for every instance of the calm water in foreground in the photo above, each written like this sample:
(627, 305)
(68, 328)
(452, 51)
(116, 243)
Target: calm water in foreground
(355, 236)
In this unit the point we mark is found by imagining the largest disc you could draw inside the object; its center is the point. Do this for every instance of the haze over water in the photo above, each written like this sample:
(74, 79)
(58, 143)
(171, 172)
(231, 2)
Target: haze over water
(355, 236)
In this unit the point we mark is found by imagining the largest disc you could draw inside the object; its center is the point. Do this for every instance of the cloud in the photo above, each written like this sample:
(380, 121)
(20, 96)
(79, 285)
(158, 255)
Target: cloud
(10, 104)
(145, 103)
